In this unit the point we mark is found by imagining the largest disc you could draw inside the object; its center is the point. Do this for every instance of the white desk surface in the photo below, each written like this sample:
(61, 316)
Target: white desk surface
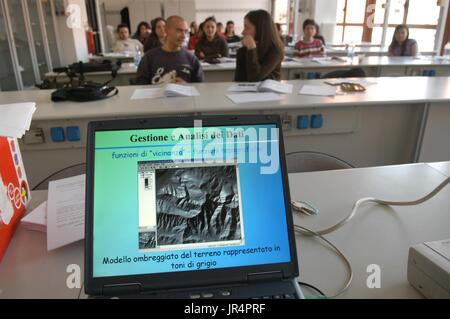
(443, 167)
(371, 61)
(387, 90)
(377, 235)
(28, 270)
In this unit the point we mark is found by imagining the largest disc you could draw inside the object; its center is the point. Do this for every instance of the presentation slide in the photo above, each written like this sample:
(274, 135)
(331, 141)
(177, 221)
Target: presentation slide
(170, 200)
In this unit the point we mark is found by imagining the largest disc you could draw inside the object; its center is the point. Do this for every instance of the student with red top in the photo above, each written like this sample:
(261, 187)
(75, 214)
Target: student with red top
(193, 36)
(309, 46)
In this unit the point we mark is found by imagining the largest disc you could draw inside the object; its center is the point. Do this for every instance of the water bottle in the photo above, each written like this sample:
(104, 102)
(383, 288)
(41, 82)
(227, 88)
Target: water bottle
(447, 51)
(137, 58)
(350, 50)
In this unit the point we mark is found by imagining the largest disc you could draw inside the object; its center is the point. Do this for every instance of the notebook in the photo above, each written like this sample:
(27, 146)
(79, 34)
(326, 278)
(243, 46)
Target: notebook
(189, 207)
(264, 86)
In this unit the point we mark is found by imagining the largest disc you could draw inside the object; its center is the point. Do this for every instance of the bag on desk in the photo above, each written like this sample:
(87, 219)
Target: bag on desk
(85, 93)
(14, 190)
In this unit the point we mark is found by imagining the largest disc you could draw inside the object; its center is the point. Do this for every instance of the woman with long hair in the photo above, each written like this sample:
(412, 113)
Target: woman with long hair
(210, 45)
(401, 44)
(158, 35)
(193, 36)
(262, 52)
(230, 35)
(142, 32)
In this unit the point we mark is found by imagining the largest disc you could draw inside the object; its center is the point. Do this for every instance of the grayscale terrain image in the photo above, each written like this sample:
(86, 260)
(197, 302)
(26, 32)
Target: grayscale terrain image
(197, 205)
(147, 240)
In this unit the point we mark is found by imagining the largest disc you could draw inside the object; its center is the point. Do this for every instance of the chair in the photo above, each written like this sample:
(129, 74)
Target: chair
(347, 73)
(306, 161)
(70, 171)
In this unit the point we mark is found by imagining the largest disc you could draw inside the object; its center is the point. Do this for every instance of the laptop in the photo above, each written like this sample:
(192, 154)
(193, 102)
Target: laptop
(189, 207)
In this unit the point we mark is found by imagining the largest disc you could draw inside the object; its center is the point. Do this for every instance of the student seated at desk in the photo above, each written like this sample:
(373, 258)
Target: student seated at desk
(309, 46)
(142, 32)
(401, 44)
(158, 35)
(318, 35)
(125, 43)
(210, 44)
(230, 35)
(171, 62)
(220, 31)
(262, 52)
(193, 36)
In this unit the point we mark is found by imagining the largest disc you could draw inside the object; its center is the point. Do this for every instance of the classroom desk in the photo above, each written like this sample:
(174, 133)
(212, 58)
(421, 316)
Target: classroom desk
(29, 271)
(443, 167)
(396, 121)
(375, 66)
(377, 234)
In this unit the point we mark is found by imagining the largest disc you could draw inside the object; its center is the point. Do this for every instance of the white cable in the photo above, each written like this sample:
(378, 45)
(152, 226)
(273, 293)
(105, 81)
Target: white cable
(303, 230)
(320, 233)
(382, 202)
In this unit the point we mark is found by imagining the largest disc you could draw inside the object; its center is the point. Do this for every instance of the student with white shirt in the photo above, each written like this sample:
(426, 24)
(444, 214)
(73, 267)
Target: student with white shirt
(125, 44)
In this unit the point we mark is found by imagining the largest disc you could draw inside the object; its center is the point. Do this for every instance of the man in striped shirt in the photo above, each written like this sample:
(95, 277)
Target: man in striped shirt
(309, 46)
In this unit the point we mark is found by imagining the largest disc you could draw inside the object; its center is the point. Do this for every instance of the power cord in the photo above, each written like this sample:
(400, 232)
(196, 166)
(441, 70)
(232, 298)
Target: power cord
(312, 287)
(53, 174)
(302, 230)
(305, 231)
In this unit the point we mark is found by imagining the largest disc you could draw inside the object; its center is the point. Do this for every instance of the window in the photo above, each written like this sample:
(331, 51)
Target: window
(350, 22)
(364, 21)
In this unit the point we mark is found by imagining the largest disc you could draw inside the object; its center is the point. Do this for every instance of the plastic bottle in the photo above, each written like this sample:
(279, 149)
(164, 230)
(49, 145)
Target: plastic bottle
(350, 48)
(137, 58)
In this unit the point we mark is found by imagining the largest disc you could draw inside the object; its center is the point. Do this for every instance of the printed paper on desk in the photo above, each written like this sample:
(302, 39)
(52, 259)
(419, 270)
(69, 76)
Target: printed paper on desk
(180, 90)
(151, 93)
(276, 87)
(65, 211)
(253, 97)
(318, 90)
(265, 86)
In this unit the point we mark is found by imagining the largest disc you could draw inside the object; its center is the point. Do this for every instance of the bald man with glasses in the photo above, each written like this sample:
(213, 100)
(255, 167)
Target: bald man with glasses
(170, 63)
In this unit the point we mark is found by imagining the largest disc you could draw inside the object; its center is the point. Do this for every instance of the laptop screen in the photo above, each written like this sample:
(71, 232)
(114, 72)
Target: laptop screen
(187, 199)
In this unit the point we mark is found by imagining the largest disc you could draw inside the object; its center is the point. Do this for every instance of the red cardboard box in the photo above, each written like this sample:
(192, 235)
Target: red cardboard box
(14, 190)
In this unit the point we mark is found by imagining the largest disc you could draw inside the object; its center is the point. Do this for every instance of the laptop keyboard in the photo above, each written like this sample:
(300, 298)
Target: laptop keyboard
(285, 296)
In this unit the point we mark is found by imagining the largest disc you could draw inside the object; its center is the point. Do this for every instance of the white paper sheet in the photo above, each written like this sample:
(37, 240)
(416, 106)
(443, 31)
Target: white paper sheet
(244, 87)
(151, 93)
(318, 90)
(37, 219)
(65, 211)
(253, 97)
(15, 119)
(276, 87)
(180, 90)
(265, 86)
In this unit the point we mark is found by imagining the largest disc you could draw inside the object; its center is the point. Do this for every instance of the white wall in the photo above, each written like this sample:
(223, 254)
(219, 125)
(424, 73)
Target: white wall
(229, 10)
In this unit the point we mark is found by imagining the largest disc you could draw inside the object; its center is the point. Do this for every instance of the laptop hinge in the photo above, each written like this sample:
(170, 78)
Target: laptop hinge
(121, 289)
(262, 276)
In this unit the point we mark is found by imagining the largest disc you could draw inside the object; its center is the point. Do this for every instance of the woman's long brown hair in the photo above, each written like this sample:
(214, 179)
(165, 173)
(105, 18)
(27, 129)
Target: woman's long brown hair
(266, 35)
